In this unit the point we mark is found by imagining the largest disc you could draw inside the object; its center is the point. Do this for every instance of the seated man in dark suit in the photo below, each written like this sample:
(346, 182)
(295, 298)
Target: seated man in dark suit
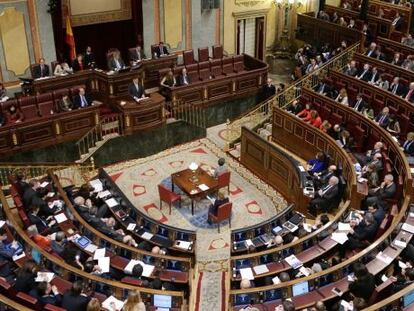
(294, 107)
(136, 54)
(383, 118)
(321, 179)
(408, 145)
(75, 299)
(81, 100)
(135, 90)
(116, 63)
(360, 103)
(269, 89)
(378, 195)
(397, 21)
(161, 50)
(32, 196)
(325, 196)
(365, 74)
(184, 78)
(397, 88)
(41, 224)
(360, 235)
(79, 63)
(323, 89)
(221, 199)
(89, 58)
(41, 70)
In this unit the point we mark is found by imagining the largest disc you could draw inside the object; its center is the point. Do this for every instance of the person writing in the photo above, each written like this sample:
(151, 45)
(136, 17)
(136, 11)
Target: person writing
(213, 209)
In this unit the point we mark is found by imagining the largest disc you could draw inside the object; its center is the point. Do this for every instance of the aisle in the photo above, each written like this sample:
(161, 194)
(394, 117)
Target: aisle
(212, 262)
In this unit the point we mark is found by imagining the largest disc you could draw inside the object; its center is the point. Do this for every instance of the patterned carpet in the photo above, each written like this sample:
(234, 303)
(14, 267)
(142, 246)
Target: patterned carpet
(253, 200)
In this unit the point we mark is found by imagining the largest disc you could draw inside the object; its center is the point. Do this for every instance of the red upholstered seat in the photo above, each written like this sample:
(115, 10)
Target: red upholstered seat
(204, 70)
(28, 300)
(58, 94)
(27, 101)
(203, 55)
(238, 61)
(218, 51)
(29, 112)
(336, 118)
(46, 108)
(358, 134)
(188, 57)
(215, 68)
(223, 213)
(45, 97)
(227, 64)
(224, 180)
(192, 71)
(50, 307)
(168, 196)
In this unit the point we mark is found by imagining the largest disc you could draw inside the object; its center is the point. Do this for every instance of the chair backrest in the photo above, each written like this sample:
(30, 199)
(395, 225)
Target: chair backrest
(224, 211)
(27, 101)
(218, 51)
(165, 194)
(203, 54)
(204, 70)
(215, 67)
(53, 65)
(224, 179)
(238, 61)
(44, 97)
(188, 57)
(228, 65)
(29, 112)
(58, 94)
(192, 71)
(46, 108)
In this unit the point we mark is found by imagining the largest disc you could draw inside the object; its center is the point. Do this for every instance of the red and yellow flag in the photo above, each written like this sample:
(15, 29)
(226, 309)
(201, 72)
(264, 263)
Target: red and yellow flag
(70, 39)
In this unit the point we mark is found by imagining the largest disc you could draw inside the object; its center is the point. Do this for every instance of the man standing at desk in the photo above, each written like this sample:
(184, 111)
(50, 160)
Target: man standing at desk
(89, 58)
(41, 70)
(135, 90)
(136, 54)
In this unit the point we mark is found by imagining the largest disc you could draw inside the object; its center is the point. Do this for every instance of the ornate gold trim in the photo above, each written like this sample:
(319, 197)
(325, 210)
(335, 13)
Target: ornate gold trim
(124, 13)
(14, 138)
(205, 93)
(248, 3)
(111, 89)
(127, 122)
(57, 129)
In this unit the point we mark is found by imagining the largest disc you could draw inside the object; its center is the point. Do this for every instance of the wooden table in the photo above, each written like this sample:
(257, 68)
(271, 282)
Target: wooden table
(189, 182)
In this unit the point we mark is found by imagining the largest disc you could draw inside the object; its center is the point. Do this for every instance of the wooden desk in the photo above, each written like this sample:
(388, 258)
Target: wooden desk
(183, 180)
(143, 115)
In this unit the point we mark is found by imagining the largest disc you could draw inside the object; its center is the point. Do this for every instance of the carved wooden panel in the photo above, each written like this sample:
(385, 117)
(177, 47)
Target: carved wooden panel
(289, 126)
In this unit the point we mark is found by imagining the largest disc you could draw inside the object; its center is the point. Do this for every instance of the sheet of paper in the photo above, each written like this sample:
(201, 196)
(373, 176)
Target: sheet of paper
(17, 257)
(183, 244)
(44, 184)
(344, 226)
(408, 227)
(131, 264)
(276, 280)
(148, 269)
(304, 271)
(301, 168)
(411, 214)
(131, 226)
(91, 248)
(60, 218)
(247, 273)
(293, 261)
(339, 237)
(400, 244)
(347, 306)
(111, 299)
(412, 170)
(147, 235)
(249, 243)
(96, 184)
(351, 277)
(260, 269)
(2, 222)
(44, 277)
(104, 263)
(111, 202)
(384, 278)
(203, 187)
(384, 258)
(402, 265)
(50, 194)
(103, 194)
(307, 227)
(99, 253)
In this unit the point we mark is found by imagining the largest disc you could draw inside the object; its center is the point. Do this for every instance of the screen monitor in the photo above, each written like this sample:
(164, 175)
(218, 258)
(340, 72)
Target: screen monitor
(300, 288)
(162, 301)
(408, 299)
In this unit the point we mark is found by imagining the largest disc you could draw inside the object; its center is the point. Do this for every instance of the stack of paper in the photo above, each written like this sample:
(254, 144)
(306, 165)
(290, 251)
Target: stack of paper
(203, 187)
(60, 218)
(107, 304)
(147, 269)
(103, 263)
(276, 280)
(131, 226)
(384, 278)
(249, 243)
(260, 269)
(307, 227)
(408, 227)
(96, 184)
(304, 271)
(247, 273)
(345, 227)
(293, 261)
(400, 244)
(44, 277)
(147, 235)
(384, 258)
(44, 184)
(99, 253)
(339, 237)
(104, 194)
(111, 202)
(184, 244)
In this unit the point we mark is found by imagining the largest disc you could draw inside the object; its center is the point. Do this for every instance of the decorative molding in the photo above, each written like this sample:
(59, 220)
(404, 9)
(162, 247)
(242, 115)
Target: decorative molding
(124, 13)
(34, 27)
(188, 24)
(157, 28)
(218, 26)
(250, 14)
(248, 3)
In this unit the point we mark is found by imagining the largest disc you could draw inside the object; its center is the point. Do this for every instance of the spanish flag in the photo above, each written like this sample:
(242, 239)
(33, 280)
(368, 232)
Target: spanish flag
(70, 39)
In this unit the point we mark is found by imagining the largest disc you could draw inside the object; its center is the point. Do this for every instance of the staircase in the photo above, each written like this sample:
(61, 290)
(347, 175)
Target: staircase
(108, 128)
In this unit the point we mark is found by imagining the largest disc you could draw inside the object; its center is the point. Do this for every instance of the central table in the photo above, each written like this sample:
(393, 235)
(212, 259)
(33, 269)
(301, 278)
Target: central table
(189, 183)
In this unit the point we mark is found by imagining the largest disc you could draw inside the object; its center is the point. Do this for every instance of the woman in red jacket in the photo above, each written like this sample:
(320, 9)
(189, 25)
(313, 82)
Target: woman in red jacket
(314, 119)
(305, 113)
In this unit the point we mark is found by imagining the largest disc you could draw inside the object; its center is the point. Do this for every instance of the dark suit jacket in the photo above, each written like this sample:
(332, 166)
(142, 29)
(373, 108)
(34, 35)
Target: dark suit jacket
(112, 63)
(214, 208)
(181, 80)
(269, 91)
(411, 97)
(133, 92)
(158, 51)
(25, 282)
(37, 72)
(366, 76)
(323, 89)
(364, 287)
(71, 302)
(77, 101)
(408, 147)
(40, 223)
(76, 65)
(372, 53)
(400, 89)
(397, 26)
(31, 197)
(387, 192)
(364, 232)
(361, 105)
(350, 71)
(294, 109)
(89, 59)
(384, 122)
(374, 77)
(133, 55)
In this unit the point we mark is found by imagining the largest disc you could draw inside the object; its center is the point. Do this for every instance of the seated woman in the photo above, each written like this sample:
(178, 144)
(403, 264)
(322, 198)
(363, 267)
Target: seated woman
(65, 104)
(62, 69)
(368, 112)
(318, 164)
(342, 97)
(213, 209)
(345, 140)
(393, 126)
(314, 119)
(168, 80)
(13, 115)
(382, 83)
(305, 112)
